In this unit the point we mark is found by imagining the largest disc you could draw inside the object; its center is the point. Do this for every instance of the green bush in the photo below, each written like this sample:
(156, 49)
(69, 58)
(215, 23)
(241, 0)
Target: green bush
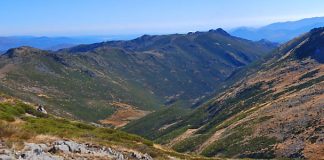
(8, 111)
(190, 144)
(229, 145)
(30, 110)
(309, 74)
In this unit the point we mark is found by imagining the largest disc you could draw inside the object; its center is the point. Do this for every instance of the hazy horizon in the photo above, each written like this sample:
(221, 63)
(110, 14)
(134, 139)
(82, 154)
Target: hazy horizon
(152, 33)
(101, 17)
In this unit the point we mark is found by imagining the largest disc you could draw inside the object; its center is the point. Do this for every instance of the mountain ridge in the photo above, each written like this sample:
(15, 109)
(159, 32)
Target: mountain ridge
(273, 112)
(107, 78)
(280, 32)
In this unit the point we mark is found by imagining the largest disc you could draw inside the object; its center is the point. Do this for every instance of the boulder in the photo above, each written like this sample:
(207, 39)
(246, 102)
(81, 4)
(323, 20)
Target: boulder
(6, 157)
(70, 146)
(33, 151)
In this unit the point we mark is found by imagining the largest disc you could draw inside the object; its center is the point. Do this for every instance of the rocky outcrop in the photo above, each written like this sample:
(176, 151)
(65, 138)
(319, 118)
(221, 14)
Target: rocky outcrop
(65, 149)
(36, 152)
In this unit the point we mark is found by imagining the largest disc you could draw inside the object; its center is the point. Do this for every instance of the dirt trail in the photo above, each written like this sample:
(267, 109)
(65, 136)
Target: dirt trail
(183, 136)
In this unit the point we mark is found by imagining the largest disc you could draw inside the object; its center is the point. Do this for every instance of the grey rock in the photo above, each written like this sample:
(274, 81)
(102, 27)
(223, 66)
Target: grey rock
(60, 146)
(69, 149)
(5, 152)
(147, 157)
(70, 146)
(140, 156)
(6, 157)
(33, 151)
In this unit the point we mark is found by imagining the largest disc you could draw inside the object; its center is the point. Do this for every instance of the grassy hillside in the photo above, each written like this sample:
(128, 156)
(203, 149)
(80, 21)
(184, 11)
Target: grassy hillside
(178, 66)
(45, 78)
(275, 112)
(20, 123)
(92, 82)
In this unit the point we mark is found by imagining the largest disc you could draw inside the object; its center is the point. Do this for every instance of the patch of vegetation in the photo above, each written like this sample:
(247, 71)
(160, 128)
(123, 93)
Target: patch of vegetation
(259, 148)
(309, 74)
(213, 116)
(35, 123)
(237, 117)
(67, 129)
(45, 124)
(85, 97)
(150, 125)
(262, 119)
(168, 137)
(8, 112)
(299, 87)
(236, 142)
(190, 144)
(228, 145)
(232, 106)
(14, 133)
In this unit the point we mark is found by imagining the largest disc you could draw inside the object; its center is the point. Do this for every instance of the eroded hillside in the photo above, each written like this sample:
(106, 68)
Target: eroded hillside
(276, 111)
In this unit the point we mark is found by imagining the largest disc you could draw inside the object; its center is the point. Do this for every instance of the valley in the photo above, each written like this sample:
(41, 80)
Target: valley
(276, 110)
(202, 95)
(29, 134)
(149, 72)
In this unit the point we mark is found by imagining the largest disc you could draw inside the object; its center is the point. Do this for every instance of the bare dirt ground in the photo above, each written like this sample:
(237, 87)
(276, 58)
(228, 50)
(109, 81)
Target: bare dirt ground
(125, 113)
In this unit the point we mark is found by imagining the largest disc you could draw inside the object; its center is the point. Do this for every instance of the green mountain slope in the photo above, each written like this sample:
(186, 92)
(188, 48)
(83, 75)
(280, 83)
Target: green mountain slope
(92, 82)
(276, 111)
(53, 80)
(26, 132)
(181, 65)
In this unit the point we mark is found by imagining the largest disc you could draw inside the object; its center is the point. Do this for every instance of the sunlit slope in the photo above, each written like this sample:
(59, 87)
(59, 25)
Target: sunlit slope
(275, 111)
(92, 82)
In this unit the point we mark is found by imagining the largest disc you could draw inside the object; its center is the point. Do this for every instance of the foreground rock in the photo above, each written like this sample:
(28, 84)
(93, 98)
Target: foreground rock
(64, 149)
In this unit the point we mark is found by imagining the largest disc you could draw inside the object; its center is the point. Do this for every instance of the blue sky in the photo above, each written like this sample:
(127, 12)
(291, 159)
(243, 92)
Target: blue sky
(116, 17)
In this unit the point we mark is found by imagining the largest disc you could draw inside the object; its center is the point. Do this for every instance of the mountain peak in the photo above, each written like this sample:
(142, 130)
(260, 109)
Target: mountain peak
(144, 38)
(319, 30)
(23, 51)
(220, 31)
(312, 46)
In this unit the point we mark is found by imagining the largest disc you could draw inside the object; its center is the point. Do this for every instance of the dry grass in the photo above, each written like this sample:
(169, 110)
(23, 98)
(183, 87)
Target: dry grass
(125, 113)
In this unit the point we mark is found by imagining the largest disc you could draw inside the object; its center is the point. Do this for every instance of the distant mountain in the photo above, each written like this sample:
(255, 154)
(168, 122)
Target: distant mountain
(119, 81)
(274, 110)
(279, 32)
(55, 43)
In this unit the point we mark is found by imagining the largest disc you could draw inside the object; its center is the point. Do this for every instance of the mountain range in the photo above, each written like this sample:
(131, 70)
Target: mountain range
(279, 32)
(55, 43)
(191, 96)
(274, 110)
(126, 78)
